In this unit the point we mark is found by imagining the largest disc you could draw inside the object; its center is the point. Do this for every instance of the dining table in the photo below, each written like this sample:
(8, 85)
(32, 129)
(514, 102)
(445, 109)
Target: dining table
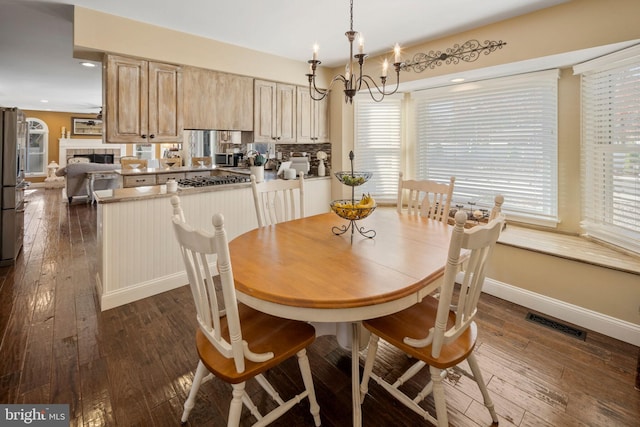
(301, 270)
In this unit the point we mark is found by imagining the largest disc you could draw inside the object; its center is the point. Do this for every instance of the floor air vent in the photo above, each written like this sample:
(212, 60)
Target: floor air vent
(560, 327)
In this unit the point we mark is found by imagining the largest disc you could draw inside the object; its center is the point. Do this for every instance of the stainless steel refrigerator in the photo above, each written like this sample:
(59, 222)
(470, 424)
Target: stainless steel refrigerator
(13, 140)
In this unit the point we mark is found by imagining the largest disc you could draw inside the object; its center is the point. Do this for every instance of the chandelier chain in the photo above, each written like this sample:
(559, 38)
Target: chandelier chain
(351, 15)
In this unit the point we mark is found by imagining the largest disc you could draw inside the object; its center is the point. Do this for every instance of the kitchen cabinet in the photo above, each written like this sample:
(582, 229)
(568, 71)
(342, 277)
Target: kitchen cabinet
(143, 101)
(274, 112)
(312, 117)
(215, 100)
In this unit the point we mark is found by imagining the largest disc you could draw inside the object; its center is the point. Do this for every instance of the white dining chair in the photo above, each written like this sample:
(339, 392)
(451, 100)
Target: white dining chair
(237, 343)
(498, 201)
(275, 200)
(427, 198)
(435, 334)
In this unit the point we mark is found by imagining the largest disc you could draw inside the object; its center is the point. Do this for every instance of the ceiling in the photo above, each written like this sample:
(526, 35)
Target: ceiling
(36, 41)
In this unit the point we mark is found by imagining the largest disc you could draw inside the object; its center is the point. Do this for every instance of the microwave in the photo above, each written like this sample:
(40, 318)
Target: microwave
(228, 159)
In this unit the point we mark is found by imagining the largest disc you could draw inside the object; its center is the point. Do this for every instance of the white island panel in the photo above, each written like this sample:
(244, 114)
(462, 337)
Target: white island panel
(138, 255)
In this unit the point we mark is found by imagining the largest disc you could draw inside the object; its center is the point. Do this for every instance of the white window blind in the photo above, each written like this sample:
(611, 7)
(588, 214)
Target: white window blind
(611, 150)
(378, 135)
(496, 137)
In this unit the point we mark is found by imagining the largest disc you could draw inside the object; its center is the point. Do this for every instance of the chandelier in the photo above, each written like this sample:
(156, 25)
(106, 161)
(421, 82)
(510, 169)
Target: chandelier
(354, 77)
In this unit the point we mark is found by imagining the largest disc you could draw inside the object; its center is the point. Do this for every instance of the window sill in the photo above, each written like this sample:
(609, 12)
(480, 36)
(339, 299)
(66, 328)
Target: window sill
(569, 247)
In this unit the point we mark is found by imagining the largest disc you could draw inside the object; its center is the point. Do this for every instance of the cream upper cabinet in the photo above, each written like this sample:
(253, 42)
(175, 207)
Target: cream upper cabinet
(312, 117)
(143, 101)
(215, 100)
(274, 112)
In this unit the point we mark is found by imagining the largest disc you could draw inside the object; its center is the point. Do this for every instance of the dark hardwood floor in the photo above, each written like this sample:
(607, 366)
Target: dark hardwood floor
(133, 365)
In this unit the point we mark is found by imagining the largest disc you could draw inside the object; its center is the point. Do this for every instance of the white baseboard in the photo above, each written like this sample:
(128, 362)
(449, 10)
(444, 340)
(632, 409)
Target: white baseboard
(588, 319)
(130, 294)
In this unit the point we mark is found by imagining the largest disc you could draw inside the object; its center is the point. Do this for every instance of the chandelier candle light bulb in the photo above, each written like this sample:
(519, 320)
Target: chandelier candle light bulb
(396, 52)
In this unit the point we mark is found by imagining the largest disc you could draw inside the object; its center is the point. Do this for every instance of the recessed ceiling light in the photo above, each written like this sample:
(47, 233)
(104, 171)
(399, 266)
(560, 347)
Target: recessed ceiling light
(458, 80)
(44, 101)
(88, 64)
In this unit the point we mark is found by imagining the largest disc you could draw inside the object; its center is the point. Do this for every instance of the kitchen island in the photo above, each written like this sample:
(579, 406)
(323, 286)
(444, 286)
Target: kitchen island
(155, 176)
(137, 252)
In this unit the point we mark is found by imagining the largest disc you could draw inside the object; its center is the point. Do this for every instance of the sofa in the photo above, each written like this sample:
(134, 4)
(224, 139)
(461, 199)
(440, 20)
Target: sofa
(75, 178)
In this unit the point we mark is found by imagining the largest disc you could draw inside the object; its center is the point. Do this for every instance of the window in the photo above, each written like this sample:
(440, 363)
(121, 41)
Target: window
(611, 148)
(378, 135)
(144, 151)
(496, 137)
(38, 142)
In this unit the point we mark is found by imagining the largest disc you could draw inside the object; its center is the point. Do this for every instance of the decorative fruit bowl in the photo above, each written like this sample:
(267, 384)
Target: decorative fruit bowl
(346, 209)
(353, 179)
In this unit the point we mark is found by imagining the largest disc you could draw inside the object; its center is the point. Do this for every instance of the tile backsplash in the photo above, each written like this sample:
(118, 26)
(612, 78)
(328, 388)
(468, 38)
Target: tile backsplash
(283, 153)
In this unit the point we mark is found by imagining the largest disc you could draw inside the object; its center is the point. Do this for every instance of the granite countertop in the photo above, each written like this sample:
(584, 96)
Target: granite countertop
(156, 191)
(155, 171)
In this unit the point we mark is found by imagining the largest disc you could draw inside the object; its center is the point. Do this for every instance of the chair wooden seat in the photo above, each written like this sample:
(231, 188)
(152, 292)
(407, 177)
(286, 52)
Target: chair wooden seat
(266, 333)
(416, 321)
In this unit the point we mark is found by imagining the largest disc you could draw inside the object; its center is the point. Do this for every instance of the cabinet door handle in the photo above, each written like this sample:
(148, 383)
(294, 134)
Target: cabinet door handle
(152, 136)
(144, 136)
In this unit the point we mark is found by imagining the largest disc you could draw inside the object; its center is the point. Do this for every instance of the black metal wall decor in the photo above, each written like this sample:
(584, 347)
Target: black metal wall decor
(468, 51)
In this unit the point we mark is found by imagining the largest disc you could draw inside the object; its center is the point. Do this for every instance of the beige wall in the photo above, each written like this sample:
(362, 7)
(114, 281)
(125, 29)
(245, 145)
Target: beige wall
(579, 24)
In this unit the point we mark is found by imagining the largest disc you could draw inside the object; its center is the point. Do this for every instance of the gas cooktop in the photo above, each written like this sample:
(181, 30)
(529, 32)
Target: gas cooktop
(205, 181)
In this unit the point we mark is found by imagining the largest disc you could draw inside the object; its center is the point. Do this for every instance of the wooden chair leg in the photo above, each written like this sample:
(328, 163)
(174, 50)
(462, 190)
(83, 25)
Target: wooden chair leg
(235, 407)
(201, 372)
(305, 370)
(477, 375)
(439, 397)
(368, 366)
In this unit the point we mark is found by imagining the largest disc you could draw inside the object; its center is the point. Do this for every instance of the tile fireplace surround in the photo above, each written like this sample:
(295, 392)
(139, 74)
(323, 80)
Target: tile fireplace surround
(71, 147)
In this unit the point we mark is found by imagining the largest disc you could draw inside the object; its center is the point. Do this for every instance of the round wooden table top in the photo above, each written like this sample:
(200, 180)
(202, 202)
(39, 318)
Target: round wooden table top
(303, 264)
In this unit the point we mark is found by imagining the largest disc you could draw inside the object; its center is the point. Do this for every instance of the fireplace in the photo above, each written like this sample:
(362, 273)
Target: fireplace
(94, 149)
(97, 157)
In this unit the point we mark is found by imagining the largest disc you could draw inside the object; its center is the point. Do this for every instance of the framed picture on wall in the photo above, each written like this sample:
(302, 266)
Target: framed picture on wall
(80, 126)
